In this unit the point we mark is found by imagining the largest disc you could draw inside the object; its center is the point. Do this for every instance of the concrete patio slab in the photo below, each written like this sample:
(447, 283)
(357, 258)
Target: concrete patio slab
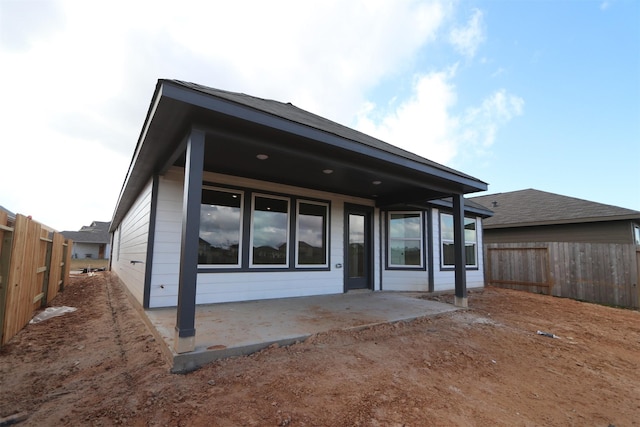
(240, 328)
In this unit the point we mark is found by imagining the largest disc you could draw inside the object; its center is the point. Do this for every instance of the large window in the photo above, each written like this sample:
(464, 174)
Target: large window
(447, 241)
(269, 231)
(405, 239)
(311, 234)
(220, 227)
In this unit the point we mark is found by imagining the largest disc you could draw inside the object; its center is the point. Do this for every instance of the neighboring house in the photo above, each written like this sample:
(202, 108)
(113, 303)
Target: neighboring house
(230, 197)
(563, 246)
(92, 241)
(11, 216)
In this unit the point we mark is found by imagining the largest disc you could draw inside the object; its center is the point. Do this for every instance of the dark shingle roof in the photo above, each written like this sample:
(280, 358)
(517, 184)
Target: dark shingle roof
(291, 112)
(97, 232)
(534, 207)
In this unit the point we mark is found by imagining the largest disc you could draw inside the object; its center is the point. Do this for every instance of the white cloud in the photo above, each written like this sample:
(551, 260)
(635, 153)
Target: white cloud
(426, 123)
(82, 74)
(467, 39)
(422, 124)
(479, 125)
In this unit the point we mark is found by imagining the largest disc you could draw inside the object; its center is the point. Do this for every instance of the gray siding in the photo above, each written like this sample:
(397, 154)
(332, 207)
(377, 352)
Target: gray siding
(594, 232)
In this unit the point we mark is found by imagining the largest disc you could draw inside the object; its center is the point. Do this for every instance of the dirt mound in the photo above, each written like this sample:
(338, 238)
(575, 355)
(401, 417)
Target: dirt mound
(485, 366)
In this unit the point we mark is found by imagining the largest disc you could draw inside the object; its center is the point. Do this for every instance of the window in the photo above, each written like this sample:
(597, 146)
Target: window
(311, 235)
(269, 231)
(220, 227)
(636, 231)
(405, 239)
(447, 243)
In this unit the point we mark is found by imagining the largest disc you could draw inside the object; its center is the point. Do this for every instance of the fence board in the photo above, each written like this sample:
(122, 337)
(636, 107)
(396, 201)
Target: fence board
(596, 272)
(56, 266)
(29, 279)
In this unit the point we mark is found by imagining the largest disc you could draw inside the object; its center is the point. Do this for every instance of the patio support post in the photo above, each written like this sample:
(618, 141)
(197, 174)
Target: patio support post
(459, 249)
(185, 335)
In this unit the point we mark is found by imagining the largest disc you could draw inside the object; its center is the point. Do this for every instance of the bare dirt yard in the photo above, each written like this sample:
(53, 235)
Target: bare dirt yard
(484, 366)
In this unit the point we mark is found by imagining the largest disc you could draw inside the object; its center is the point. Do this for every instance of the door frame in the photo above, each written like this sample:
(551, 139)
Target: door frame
(368, 213)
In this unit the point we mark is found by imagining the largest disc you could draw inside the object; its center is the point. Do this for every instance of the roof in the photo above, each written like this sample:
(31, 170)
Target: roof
(97, 232)
(301, 147)
(298, 115)
(532, 207)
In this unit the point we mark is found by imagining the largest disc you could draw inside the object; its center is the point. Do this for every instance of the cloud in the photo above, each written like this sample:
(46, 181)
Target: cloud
(79, 85)
(467, 39)
(480, 125)
(422, 124)
(426, 123)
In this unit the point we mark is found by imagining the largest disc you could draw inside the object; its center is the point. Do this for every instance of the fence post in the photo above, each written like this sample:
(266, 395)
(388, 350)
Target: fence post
(6, 238)
(47, 272)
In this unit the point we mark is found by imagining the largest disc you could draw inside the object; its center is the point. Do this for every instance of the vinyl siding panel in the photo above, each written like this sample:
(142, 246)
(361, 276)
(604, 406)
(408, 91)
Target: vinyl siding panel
(81, 250)
(246, 285)
(130, 244)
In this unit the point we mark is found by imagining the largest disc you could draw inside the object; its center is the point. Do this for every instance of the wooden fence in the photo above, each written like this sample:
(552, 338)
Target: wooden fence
(596, 272)
(34, 267)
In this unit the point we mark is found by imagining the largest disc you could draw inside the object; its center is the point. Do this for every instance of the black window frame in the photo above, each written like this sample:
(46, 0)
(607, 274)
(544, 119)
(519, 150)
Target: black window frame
(451, 267)
(423, 240)
(245, 265)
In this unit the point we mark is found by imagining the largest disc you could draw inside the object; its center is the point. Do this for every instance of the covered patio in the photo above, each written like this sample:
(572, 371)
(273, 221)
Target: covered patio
(199, 140)
(241, 328)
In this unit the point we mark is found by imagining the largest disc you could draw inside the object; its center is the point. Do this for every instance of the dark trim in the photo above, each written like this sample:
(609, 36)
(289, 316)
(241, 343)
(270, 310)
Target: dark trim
(387, 247)
(173, 156)
(192, 196)
(382, 220)
(447, 205)
(245, 256)
(211, 102)
(148, 267)
(459, 247)
(452, 268)
(430, 266)
(368, 212)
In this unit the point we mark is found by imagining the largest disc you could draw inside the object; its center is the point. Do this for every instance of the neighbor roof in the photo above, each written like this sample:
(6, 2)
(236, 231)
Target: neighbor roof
(534, 207)
(300, 145)
(97, 232)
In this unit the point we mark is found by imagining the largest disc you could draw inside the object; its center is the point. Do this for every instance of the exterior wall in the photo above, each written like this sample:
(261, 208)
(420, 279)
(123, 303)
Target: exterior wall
(130, 245)
(81, 250)
(220, 286)
(85, 250)
(131, 237)
(620, 232)
(444, 279)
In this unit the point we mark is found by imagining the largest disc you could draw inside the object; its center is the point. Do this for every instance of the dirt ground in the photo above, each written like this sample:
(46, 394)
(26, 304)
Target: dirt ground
(483, 366)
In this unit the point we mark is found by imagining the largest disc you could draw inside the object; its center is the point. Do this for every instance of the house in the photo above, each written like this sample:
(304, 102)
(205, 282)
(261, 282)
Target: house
(230, 197)
(91, 241)
(553, 244)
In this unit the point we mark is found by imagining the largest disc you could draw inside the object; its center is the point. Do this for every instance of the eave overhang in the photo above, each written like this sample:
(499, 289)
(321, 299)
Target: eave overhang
(298, 153)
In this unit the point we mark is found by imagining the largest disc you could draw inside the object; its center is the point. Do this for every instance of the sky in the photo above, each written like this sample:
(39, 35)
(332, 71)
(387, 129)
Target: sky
(520, 94)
